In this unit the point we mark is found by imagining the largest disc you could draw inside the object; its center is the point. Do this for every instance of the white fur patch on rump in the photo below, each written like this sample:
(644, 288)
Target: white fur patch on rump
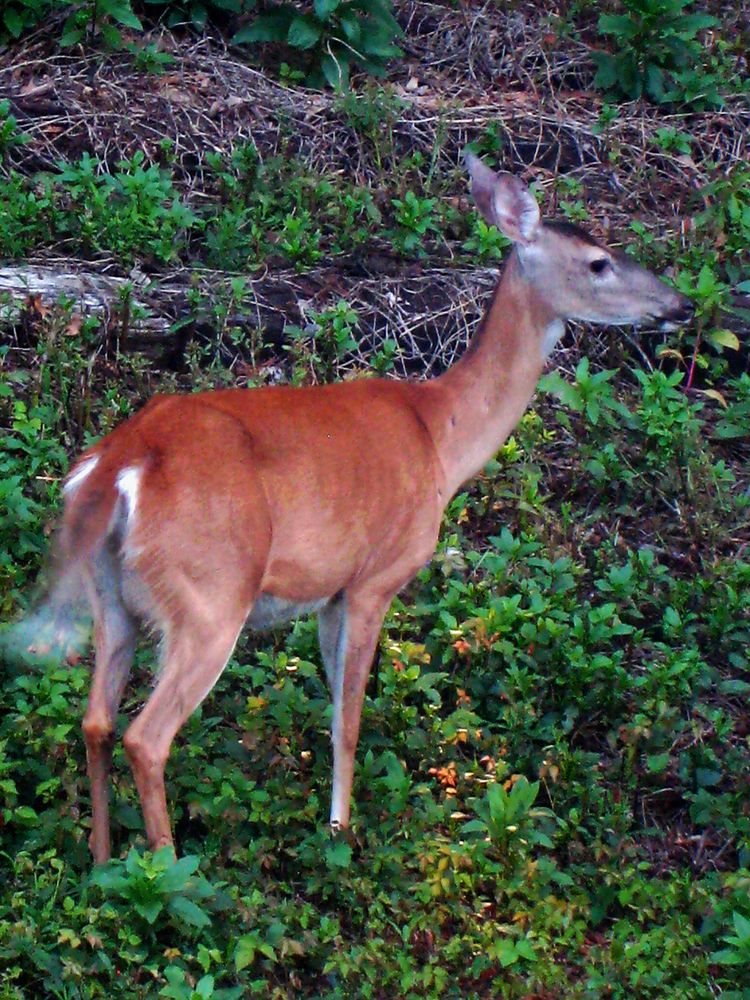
(128, 483)
(79, 473)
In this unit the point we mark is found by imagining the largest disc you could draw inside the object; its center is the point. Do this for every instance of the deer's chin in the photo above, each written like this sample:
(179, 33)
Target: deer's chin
(669, 325)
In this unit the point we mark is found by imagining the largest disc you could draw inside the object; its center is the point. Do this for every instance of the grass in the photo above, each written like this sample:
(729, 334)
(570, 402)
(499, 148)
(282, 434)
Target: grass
(551, 788)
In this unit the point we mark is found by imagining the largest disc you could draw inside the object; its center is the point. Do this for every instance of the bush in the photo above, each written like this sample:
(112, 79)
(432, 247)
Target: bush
(332, 38)
(658, 50)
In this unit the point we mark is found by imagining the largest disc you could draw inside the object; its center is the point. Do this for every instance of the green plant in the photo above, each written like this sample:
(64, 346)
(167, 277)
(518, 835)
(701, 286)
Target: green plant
(734, 421)
(572, 205)
(333, 37)
(10, 135)
(150, 58)
(100, 17)
(591, 394)
(135, 210)
(672, 140)
(152, 885)
(27, 215)
(658, 47)
(485, 242)
(726, 217)
(416, 219)
(490, 143)
(198, 12)
(30, 462)
(738, 952)
(710, 295)
(179, 987)
(507, 816)
(299, 239)
(324, 342)
(21, 15)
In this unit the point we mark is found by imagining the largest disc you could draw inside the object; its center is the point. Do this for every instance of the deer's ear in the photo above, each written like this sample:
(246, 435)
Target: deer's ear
(504, 201)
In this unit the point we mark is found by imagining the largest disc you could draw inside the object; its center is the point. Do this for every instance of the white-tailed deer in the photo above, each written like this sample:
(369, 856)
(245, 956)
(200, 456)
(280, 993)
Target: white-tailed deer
(205, 512)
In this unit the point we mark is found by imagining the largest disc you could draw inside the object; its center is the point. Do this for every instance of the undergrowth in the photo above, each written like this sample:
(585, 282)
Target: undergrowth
(556, 720)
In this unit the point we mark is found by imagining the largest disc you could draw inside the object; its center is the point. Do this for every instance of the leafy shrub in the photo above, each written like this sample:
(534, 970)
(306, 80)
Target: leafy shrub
(27, 215)
(10, 134)
(326, 339)
(154, 886)
(22, 15)
(198, 12)
(333, 37)
(135, 210)
(485, 242)
(100, 17)
(657, 51)
(28, 457)
(416, 218)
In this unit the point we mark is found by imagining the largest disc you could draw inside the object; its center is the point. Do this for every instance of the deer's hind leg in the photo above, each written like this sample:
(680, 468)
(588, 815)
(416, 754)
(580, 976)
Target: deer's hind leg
(115, 633)
(197, 647)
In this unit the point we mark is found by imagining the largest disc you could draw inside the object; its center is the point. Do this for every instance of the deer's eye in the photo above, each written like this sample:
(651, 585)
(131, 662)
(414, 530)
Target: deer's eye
(600, 265)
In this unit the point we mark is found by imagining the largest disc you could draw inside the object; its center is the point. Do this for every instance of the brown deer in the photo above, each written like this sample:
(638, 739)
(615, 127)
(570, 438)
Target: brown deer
(206, 512)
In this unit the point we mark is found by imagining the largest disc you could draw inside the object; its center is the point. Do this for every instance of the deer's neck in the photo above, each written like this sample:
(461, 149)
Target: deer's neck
(474, 406)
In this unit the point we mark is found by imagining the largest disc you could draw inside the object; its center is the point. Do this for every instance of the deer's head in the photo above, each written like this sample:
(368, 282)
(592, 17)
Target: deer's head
(574, 275)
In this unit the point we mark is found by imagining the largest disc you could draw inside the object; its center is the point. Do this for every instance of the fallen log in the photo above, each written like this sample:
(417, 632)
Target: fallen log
(429, 314)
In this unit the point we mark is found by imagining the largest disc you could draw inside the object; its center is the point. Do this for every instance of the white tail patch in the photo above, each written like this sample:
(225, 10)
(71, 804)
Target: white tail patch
(79, 473)
(128, 483)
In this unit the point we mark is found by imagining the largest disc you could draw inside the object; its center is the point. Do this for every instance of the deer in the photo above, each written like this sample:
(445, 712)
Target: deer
(207, 512)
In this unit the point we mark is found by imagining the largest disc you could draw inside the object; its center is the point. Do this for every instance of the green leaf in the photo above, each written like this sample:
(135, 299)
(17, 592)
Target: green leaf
(198, 15)
(724, 338)
(178, 874)
(149, 910)
(336, 71)
(525, 949)
(185, 909)
(266, 28)
(324, 8)
(734, 685)
(606, 74)
(122, 12)
(568, 394)
(741, 925)
(706, 777)
(13, 21)
(727, 957)
(339, 855)
(205, 987)
(620, 25)
(706, 282)
(506, 952)
(657, 762)
(111, 36)
(691, 24)
(71, 33)
(244, 953)
(352, 27)
(304, 32)
(655, 82)
(372, 45)
(108, 877)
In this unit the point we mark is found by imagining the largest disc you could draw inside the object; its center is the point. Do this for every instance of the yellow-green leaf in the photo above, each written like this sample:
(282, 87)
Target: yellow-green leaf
(724, 338)
(714, 394)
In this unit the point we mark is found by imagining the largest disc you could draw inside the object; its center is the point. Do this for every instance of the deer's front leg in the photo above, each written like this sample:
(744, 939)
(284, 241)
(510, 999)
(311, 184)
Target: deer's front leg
(359, 620)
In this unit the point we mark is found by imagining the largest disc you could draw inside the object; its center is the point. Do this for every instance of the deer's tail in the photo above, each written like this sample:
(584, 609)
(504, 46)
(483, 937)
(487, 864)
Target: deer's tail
(57, 624)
